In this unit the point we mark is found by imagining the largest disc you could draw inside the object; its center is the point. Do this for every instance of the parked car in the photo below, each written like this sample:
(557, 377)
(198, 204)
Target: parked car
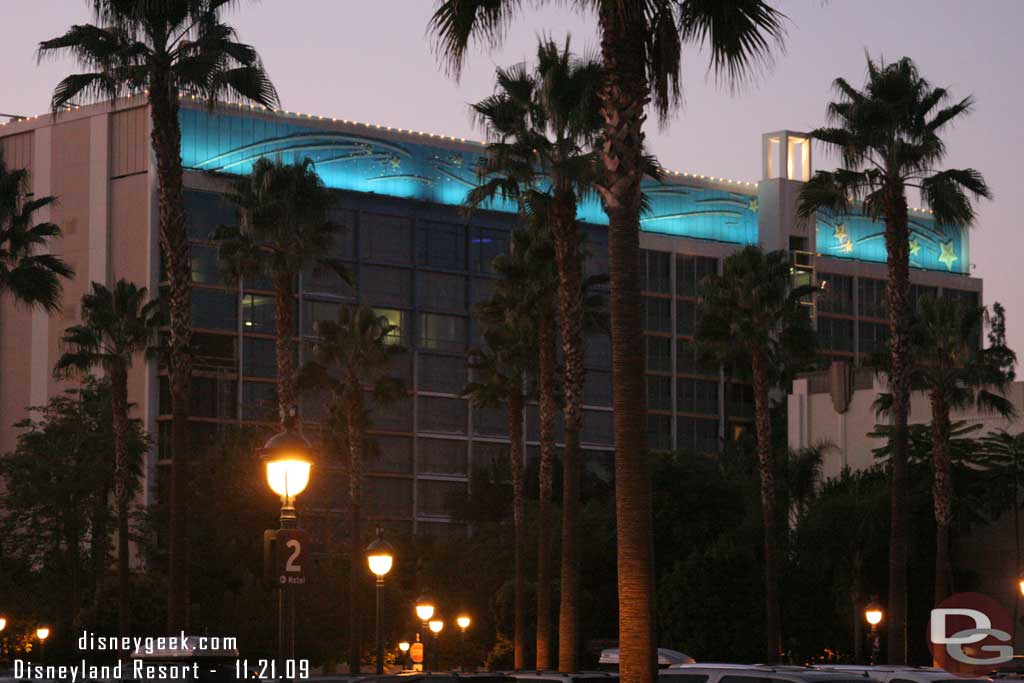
(901, 674)
(666, 657)
(752, 673)
(558, 677)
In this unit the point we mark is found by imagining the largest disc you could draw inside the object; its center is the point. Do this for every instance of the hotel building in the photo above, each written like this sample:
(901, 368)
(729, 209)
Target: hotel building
(423, 263)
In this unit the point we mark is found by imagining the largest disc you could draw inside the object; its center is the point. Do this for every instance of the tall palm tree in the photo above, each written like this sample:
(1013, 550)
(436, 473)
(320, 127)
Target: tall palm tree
(284, 228)
(352, 355)
(162, 50)
(541, 127)
(641, 56)
(751, 317)
(117, 325)
(952, 368)
(30, 278)
(888, 138)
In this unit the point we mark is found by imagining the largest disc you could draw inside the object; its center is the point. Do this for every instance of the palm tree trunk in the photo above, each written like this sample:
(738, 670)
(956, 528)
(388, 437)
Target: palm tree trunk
(898, 298)
(285, 347)
(166, 137)
(623, 98)
(99, 547)
(354, 427)
(766, 468)
(570, 305)
(942, 494)
(119, 408)
(515, 452)
(548, 413)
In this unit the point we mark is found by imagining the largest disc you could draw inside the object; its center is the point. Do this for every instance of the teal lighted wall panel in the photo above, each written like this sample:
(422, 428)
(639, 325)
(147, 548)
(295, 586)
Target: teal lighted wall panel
(932, 246)
(232, 142)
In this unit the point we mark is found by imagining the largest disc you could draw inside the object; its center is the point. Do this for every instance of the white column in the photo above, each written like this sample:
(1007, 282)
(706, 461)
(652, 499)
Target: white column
(39, 354)
(99, 199)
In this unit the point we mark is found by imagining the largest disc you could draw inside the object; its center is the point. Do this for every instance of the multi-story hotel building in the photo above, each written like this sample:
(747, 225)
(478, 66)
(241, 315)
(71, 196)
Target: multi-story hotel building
(422, 262)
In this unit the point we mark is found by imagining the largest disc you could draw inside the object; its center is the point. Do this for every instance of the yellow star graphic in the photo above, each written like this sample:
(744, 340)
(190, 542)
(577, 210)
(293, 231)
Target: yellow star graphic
(843, 241)
(753, 204)
(915, 246)
(947, 256)
(847, 246)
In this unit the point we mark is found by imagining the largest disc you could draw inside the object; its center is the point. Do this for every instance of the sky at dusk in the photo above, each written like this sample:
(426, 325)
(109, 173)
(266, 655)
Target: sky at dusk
(370, 60)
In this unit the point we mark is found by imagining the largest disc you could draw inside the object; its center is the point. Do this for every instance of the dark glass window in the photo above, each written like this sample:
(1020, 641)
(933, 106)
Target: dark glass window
(387, 239)
(258, 313)
(438, 497)
(207, 211)
(490, 421)
(442, 332)
(206, 269)
(659, 432)
(598, 427)
(488, 457)
(741, 400)
(596, 250)
(597, 388)
(214, 397)
(315, 312)
(696, 435)
(484, 245)
(598, 352)
(874, 337)
(835, 334)
(836, 295)
(441, 291)
(659, 392)
(657, 271)
(215, 351)
(392, 454)
(259, 401)
(441, 245)
(659, 354)
(964, 297)
(918, 292)
(481, 289)
(344, 246)
(691, 271)
(215, 310)
(441, 456)
(259, 357)
(871, 297)
(393, 416)
(657, 314)
(686, 317)
(697, 396)
(385, 286)
(688, 360)
(447, 415)
(321, 279)
(445, 374)
(388, 497)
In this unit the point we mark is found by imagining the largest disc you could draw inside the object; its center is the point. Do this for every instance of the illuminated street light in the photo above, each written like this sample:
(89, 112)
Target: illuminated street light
(3, 623)
(873, 614)
(424, 608)
(404, 648)
(436, 626)
(1020, 584)
(463, 621)
(380, 556)
(42, 633)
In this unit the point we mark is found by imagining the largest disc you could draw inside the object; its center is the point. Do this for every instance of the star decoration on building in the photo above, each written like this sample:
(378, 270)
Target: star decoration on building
(915, 246)
(947, 256)
(753, 204)
(843, 241)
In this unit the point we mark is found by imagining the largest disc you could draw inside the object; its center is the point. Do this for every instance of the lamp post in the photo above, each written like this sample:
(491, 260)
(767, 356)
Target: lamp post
(380, 556)
(42, 633)
(436, 626)
(288, 459)
(424, 612)
(404, 648)
(463, 621)
(3, 625)
(873, 614)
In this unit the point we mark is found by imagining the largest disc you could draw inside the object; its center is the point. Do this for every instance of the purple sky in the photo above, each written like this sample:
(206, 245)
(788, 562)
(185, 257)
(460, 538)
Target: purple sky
(370, 60)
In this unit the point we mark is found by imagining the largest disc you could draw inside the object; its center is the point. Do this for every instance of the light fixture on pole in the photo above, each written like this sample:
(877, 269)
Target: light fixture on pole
(436, 626)
(424, 612)
(873, 614)
(288, 459)
(1020, 584)
(42, 633)
(380, 556)
(404, 649)
(463, 621)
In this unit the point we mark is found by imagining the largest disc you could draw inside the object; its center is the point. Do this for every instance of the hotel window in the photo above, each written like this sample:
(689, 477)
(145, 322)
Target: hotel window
(315, 312)
(596, 251)
(696, 435)
(441, 245)
(740, 400)
(321, 279)
(393, 455)
(258, 313)
(392, 416)
(659, 432)
(598, 427)
(399, 329)
(259, 401)
(259, 357)
(445, 374)
(835, 334)
(206, 268)
(598, 352)
(207, 211)
(691, 271)
(439, 497)
(344, 246)
(480, 289)
(215, 310)
(688, 360)
(388, 497)
(657, 314)
(441, 456)
(446, 415)
(484, 245)
(442, 332)
(659, 353)
(697, 396)
(964, 297)
(440, 291)
(490, 421)
(658, 271)
(836, 295)
(686, 317)
(597, 388)
(490, 457)
(215, 351)
(385, 286)
(918, 292)
(874, 337)
(387, 239)
(659, 392)
(213, 397)
(871, 297)
(400, 366)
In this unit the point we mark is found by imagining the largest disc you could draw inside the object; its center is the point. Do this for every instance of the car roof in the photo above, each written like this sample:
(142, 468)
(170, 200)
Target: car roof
(795, 673)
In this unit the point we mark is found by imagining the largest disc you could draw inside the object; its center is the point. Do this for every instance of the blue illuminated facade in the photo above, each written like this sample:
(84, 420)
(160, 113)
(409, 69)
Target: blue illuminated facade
(932, 246)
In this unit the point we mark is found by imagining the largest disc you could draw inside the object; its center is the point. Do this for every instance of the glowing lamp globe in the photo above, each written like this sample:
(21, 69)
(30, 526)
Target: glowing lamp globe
(288, 458)
(404, 646)
(3, 623)
(42, 633)
(463, 621)
(380, 555)
(424, 608)
(1020, 584)
(436, 626)
(873, 614)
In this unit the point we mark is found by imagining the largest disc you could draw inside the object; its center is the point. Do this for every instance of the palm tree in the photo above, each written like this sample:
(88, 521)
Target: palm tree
(541, 127)
(284, 228)
(641, 56)
(955, 372)
(117, 325)
(888, 136)
(351, 356)
(31, 278)
(750, 317)
(162, 50)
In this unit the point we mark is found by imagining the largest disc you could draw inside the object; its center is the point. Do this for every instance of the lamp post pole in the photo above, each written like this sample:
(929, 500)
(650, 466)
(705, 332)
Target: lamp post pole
(425, 611)
(380, 556)
(874, 614)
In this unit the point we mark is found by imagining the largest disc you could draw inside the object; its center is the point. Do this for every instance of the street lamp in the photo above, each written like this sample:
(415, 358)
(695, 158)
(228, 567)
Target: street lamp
(424, 611)
(380, 556)
(404, 648)
(873, 614)
(436, 626)
(1020, 584)
(463, 621)
(288, 459)
(42, 633)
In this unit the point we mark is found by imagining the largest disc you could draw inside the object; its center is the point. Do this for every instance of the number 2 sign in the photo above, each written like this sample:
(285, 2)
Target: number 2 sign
(285, 552)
